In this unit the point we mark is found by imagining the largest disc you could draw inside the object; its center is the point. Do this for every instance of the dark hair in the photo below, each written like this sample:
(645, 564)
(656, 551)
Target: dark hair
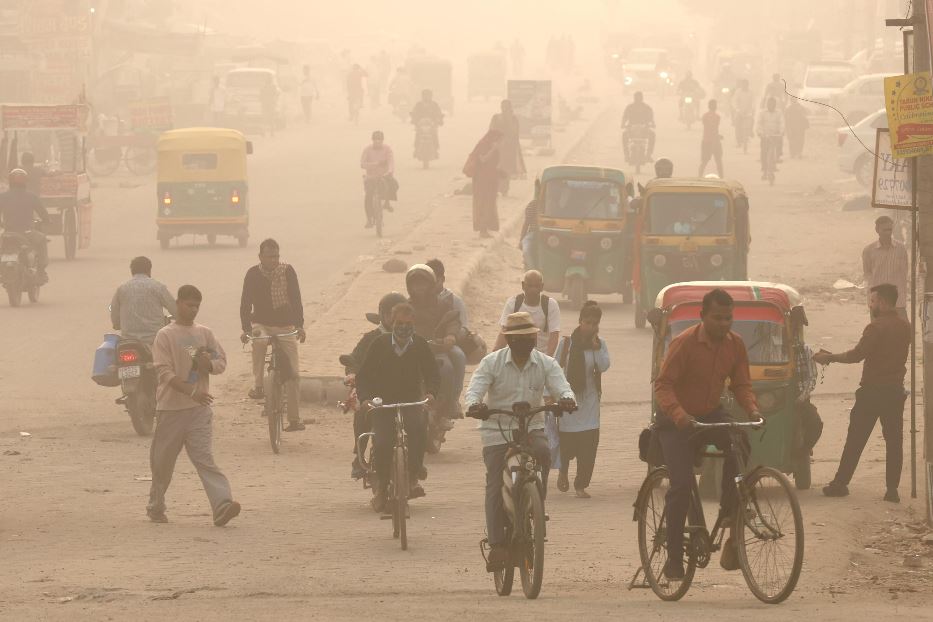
(189, 292)
(591, 310)
(719, 296)
(378, 134)
(141, 265)
(438, 266)
(886, 292)
(887, 220)
(268, 243)
(402, 308)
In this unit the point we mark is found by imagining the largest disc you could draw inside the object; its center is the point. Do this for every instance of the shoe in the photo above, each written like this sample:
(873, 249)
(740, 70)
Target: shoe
(227, 514)
(835, 490)
(157, 517)
(674, 570)
(581, 493)
(730, 556)
(891, 496)
(498, 559)
(378, 502)
(297, 426)
(416, 492)
(563, 482)
(256, 393)
(356, 470)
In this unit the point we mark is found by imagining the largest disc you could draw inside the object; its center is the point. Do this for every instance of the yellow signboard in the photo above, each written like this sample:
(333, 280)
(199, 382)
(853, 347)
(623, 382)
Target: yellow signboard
(909, 102)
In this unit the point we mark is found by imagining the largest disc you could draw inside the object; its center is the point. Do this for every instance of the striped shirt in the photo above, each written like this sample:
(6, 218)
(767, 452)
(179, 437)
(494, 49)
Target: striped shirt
(887, 264)
(136, 309)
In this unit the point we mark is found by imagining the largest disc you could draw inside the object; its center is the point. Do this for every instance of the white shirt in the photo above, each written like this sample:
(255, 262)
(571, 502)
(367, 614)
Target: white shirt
(537, 316)
(501, 379)
(770, 123)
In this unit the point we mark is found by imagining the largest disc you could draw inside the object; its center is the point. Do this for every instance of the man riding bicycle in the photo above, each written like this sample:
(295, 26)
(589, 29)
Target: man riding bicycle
(688, 388)
(519, 373)
(770, 129)
(399, 368)
(379, 163)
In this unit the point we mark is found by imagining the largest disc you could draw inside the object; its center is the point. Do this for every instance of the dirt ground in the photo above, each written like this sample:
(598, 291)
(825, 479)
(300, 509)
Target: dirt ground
(73, 532)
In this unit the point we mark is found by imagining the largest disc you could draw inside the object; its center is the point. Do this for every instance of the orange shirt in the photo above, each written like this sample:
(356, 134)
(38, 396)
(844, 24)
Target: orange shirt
(694, 374)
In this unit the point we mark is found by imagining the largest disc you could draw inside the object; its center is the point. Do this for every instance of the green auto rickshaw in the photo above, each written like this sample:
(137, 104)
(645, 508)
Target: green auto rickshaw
(202, 186)
(582, 245)
(688, 229)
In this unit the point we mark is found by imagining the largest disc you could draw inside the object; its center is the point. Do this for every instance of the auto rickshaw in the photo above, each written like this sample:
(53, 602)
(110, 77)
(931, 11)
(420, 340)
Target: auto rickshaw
(582, 245)
(770, 319)
(201, 186)
(688, 229)
(55, 136)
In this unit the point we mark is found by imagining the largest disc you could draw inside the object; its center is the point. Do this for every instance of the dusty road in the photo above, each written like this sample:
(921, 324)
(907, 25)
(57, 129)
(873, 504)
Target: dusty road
(73, 533)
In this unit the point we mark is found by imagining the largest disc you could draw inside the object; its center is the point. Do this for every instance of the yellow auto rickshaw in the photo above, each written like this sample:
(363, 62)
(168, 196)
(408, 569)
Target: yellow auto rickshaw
(202, 185)
(688, 229)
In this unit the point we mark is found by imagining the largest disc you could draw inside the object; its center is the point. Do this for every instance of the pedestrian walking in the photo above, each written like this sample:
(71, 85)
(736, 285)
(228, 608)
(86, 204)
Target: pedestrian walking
(270, 304)
(584, 357)
(482, 166)
(309, 93)
(711, 143)
(185, 355)
(544, 311)
(796, 125)
(883, 347)
(511, 161)
(886, 261)
(217, 103)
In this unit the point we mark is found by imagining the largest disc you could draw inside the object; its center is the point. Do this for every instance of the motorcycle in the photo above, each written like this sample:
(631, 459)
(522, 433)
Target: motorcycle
(138, 380)
(690, 110)
(426, 141)
(19, 268)
(639, 135)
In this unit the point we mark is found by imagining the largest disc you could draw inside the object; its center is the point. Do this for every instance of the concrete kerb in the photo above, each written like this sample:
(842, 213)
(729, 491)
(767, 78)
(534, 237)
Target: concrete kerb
(328, 388)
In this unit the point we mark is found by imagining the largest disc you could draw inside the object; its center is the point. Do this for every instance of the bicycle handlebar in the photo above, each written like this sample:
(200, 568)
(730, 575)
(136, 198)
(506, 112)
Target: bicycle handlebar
(729, 424)
(377, 404)
(555, 409)
(291, 334)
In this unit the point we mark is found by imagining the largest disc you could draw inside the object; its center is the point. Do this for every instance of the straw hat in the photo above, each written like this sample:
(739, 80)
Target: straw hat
(520, 324)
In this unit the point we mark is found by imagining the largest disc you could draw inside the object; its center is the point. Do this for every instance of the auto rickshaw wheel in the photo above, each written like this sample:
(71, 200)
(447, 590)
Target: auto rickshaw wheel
(802, 473)
(70, 233)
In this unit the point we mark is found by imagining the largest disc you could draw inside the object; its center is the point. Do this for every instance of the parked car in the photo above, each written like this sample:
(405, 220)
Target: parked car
(854, 158)
(822, 80)
(859, 97)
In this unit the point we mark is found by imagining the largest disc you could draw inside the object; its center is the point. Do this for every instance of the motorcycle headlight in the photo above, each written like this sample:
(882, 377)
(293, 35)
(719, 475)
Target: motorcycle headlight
(605, 244)
(688, 100)
(663, 75)
(716, 260)
(660, 260)
(628, 80)
(725, 90)
(553, 241)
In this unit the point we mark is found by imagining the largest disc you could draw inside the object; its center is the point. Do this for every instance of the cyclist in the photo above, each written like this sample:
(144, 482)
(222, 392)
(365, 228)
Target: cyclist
(379, 163)
(770, 130)
(396, 367)
(519, 373)
(691, 381)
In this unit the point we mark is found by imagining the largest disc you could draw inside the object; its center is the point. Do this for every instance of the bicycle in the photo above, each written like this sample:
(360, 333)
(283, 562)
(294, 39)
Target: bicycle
(523, 489)
(279, 373)
(769, 155)
(375, 207)
(765, 502)
(399, 477)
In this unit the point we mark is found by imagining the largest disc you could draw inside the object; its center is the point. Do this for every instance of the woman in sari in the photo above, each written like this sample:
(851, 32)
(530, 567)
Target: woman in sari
(483, 167)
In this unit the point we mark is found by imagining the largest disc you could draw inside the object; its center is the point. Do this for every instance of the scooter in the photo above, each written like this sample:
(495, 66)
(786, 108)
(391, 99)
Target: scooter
(425, 141)
(19, 268)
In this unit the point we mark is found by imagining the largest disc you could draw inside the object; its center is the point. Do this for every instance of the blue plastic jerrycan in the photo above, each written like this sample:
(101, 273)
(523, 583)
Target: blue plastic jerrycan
(104, 372)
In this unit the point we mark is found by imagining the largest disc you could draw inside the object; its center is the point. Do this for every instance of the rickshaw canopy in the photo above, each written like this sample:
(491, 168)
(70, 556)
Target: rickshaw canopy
(202, 154)
(782, 296)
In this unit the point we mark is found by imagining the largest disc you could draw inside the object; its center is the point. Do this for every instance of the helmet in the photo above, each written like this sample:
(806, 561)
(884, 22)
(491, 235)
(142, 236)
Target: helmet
(18, 177)
(663, 168)
(387, 303)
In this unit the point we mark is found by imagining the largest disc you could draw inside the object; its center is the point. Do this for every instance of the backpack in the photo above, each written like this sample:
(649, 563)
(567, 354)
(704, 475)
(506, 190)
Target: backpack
(545, 306)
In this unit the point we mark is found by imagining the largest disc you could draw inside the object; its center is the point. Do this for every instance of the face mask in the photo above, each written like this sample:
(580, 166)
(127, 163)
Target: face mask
(403, 332)
(522, 347)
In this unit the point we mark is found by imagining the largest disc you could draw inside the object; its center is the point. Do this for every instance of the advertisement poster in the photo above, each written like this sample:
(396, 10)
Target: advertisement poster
(892, 188)
(909, 104)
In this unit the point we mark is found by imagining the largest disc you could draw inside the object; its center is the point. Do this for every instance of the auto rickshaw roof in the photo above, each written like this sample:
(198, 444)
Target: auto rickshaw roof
(778, 294)
(203, 138)
(582, 172)
(704, 183)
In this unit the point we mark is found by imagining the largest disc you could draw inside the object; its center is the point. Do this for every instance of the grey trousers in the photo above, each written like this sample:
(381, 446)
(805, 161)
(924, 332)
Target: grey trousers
(191, 429)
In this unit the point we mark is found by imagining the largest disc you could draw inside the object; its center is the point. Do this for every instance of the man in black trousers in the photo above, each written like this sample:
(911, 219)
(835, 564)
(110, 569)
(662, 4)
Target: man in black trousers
(884, 347)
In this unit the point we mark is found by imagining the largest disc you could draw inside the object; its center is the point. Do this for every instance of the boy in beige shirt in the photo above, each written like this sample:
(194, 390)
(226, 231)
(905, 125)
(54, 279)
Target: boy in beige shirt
(185, 354)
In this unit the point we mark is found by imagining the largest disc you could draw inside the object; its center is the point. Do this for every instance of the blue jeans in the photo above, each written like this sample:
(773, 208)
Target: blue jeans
(494, 457)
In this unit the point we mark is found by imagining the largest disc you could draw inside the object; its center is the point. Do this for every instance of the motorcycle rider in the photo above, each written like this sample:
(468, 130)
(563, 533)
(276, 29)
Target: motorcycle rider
(427, 108)
(689, 87)
(638, 113)
(379, 162)
(358, 357)
(437, 321)
(18, 209)
(137, 306)
(770, 129)
(743, 110)
(396, 368)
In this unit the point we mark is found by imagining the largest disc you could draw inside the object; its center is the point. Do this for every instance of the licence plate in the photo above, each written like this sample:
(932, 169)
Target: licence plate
(6, 258)
(131, 371)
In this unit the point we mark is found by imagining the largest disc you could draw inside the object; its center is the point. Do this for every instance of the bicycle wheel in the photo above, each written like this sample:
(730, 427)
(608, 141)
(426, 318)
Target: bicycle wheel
(769, 535)
(274, 411)
(503, 579)
(652, 538)
(531, 560)
(400, 503)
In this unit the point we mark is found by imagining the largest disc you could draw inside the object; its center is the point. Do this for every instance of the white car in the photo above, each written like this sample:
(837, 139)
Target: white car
(859, 97)
(822, 81)
(854, 158)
